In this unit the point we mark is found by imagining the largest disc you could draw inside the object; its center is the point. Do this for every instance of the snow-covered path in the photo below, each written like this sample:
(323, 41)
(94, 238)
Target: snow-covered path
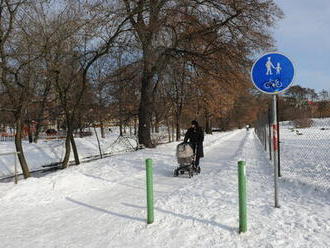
(102, 204)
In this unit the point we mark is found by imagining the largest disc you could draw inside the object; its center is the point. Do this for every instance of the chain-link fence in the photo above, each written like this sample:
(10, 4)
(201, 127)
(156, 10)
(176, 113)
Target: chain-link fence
(48, 154)
(304, 146)
(263, 131)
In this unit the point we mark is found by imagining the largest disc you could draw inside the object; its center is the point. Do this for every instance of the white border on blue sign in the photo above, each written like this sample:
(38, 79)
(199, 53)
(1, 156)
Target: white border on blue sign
(276, 92)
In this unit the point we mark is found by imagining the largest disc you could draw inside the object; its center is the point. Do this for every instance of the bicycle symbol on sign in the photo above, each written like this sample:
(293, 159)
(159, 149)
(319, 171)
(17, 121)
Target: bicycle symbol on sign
(273, 84)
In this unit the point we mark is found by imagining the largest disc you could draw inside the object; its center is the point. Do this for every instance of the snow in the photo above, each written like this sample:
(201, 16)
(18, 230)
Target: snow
(103, 203)
(305, 157)
(52, 151)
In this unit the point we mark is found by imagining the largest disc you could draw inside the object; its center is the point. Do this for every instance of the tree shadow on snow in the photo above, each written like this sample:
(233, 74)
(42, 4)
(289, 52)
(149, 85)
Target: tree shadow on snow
(122, 182)
(187, 217)
(104, 210)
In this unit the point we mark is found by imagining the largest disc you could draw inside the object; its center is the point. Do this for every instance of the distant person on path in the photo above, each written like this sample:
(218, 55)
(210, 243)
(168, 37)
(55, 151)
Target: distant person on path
(195, 135)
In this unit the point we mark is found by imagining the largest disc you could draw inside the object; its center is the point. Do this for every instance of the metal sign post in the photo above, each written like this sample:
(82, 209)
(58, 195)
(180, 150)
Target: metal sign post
(273, 73)
(275, 148)
(278, 140)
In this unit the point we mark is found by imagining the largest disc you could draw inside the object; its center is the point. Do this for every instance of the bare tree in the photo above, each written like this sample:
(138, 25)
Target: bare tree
(164, 27)
(16, 57)
(79, 37)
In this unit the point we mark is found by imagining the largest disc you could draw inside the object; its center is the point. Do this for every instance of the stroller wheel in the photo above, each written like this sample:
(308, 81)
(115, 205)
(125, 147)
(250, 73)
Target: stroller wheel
(176, 173)
(181, 172)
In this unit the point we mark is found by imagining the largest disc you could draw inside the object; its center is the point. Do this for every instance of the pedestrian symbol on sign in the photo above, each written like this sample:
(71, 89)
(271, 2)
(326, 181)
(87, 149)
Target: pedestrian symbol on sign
(269, 66)
(278, 69)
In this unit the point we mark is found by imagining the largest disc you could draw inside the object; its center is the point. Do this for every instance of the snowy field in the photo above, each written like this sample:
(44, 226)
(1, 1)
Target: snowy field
(52, 151)
(305, 154)
(102, 203)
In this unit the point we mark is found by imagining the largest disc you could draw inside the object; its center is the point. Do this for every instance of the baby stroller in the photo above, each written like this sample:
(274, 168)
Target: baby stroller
(186, 157)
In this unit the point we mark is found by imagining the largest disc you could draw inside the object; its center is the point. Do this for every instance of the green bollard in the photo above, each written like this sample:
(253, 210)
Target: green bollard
(242, 197)
(150, 192)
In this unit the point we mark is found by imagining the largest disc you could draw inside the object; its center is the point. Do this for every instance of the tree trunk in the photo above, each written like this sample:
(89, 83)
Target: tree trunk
(156, 127)
(168, 129)
(173, 130)
(152, 125)
(36, 133)
(74, 149)
(19, 148)
(40, 115)
(120, 128)
(208, 129)
(210, 120)
(145, 111)
(178, 128)
(135, 125)
(120, 118)
(98, 141)
(157, 123)
(65, 163)
(102, 130)
(29, 131)
(81, 132)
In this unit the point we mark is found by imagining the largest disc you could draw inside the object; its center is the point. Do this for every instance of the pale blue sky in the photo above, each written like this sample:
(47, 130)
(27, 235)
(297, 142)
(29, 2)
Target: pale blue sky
(304, 36)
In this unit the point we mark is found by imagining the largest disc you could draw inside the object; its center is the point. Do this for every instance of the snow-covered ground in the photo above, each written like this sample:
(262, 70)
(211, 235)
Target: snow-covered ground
(52, 151)
(305, 154)
(102, 203)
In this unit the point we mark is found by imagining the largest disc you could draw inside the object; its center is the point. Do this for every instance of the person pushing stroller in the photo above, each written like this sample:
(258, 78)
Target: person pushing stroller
(195, 136)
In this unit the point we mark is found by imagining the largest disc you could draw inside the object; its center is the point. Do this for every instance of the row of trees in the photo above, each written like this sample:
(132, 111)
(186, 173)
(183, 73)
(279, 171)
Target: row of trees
(297, 104)
(148, 62)
(301, 104)
(303, 94)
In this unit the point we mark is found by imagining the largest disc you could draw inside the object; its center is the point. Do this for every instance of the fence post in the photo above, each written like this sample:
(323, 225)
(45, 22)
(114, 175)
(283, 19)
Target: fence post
(270, 134)
(15, 164)
(15, 155)
(150, 193)
(265, 135)
(242, 197)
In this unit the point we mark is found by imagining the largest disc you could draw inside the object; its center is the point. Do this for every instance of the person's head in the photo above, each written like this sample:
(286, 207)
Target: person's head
(194, 124)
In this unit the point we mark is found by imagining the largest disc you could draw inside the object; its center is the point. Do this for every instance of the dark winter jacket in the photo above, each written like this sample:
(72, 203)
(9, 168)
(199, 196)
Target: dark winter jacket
(196, 137)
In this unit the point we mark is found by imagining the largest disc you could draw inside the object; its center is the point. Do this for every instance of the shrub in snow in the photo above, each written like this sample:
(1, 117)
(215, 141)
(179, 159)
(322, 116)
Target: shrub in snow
(303, 123)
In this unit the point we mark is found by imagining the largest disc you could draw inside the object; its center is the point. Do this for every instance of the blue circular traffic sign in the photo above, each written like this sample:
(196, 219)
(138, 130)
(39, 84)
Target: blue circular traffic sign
(272, 73)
